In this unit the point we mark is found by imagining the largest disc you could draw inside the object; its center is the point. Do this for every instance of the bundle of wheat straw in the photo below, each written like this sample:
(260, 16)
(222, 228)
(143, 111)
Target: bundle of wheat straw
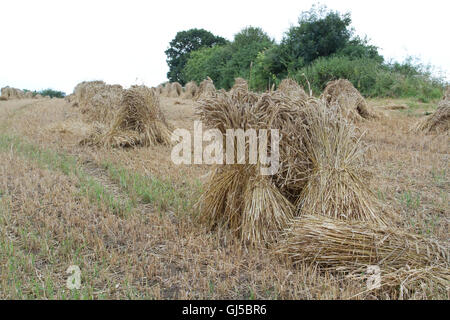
(446, 93)
(190, 90)
(12, 93)
(342, 94)
(205, 90)
(291, 88)
(438, 122)
(321, 156)
(337, 180)
(240, 92)
(350, 247)
(175, 90)
(139, 121)
(238, 198)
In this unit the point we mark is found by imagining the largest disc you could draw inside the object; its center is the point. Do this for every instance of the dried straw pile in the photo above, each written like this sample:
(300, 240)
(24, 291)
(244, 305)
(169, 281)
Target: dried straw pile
(240, 84)
(165, 89)
(159, 89)
(98, 101)
(240, 92)
(155, 91)
(320, 157)
(12, 93)
(7, 93)
(238, 197)
(342, 94)
(138, 122)
(291, 88)
(28, 95)
(71, 99)
(318, 208)
(175, 90)
(340, 225)
(205, 90)
(190, 90)
(340, 246)
(439, 121)
(446, 93)
(85, 90)
(336, 175)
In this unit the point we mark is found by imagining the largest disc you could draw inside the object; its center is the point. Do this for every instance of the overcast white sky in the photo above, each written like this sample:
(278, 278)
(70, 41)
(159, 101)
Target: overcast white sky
(57, 44)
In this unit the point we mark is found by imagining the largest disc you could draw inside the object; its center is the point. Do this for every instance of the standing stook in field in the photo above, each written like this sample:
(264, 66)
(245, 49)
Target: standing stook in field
(439, 122)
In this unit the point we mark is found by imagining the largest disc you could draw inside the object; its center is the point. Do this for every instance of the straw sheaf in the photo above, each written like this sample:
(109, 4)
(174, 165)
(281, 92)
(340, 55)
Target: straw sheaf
(103, 104)
(71, 99)
(205, 90)
(343, 95)
(240, 92)
(308, 156)
(438, 122)
(240, 84)
(237, 196)
(223, 112)
(190, 90)
(343, 246)
(12, 93)
(337, 180)
(175, 90)
(85, 90)
(241, 200)
(97, 100)
(165, 90)
(28, 95)
(138, 122)
(288, 115)
(159, 89)
(446, 93)
(291, 88)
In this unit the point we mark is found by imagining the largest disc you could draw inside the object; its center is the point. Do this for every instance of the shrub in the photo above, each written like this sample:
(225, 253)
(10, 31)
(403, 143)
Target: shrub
(319, 33)
(372, 78)
(182, 45)
(360, 72)
(208, 62)
(393, 84)
(52, 93)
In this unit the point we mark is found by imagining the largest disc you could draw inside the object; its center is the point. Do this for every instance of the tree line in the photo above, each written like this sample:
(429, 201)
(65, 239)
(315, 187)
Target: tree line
(321, 47)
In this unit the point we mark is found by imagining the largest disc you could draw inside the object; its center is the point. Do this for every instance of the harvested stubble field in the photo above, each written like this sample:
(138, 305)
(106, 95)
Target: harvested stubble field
(125, 216)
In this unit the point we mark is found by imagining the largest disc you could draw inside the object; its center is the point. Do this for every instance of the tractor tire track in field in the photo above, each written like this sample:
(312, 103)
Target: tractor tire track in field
(101, 175)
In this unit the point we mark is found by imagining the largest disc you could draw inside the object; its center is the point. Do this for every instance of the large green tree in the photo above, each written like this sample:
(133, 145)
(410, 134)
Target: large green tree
(182, 45)
(247, 44)
(319, 33)
(208, 62)
(225, 63)
(244, 50)
(358, 48)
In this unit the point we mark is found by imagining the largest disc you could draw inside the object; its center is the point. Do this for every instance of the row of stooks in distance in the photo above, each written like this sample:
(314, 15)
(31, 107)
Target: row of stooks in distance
(8, 93)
